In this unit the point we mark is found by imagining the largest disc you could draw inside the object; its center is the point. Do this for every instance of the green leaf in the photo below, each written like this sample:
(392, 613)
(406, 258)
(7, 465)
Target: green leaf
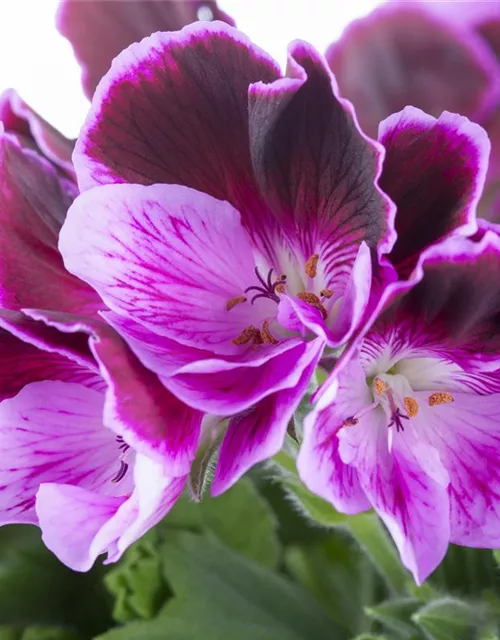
(396, 615)
(447, 619)
(368, 636)
(38, 633)
(36, 589)
(339, 577)
(220, 595)
(467, 572)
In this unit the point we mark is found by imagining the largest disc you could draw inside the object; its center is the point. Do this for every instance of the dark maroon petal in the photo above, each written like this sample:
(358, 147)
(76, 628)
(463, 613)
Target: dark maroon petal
(22, 363)
(33, 205)
(403, 55)
(490, 30)
(100, 29)
(34, 132)
(458, 297)
(317, 171)
(174, 109)
(434, 170)
(150, 418)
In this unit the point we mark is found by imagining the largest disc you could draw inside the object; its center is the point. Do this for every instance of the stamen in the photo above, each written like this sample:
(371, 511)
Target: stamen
(411, 406)
(121, 472)
(314, 301)
(350, 422)
(326, 293)
(249, 334)
(234, 301)
(440, 397)
(311, 266)
(380, 386)
(280, 287)
(266, 336)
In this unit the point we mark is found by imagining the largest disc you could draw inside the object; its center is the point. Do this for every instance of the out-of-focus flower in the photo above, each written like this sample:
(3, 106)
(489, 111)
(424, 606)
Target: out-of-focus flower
(233, 303)
(408, 423)
(84, 427)
(99, 29)
(420, 54)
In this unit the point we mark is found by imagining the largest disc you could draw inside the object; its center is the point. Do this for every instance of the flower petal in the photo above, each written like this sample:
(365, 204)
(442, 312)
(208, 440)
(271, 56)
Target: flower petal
(78, 525)
(168, 257)
(33, 204)
(258, 433)
(99, 30)
(403, 55)
(319, 463)
(466, 433)
(434, 170)
(52, 432)
(317, 171)
(33, 131)
(173, 109)
(228, 387)
(409, 495)
(137, 407)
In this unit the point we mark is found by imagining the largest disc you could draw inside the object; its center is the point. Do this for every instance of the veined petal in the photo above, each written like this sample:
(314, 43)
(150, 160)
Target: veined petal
(402, 55)
(173, 109)
(434, 170)
(319, 463)
(166, 256)
(316, 169)
(52, 432)
(227, 387)
(78, 525)
(259, 432)
(412, 502)
(466, 432)
(99, 30)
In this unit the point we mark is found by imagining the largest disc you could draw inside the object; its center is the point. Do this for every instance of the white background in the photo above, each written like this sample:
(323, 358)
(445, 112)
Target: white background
(37, 62)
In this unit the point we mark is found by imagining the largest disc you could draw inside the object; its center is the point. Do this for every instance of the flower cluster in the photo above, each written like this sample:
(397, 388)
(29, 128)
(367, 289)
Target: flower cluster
(221, 233)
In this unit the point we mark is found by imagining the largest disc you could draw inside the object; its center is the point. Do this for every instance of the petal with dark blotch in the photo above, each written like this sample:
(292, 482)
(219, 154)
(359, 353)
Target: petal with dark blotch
(33, 131)
(258, 433)
(317, 171)
(52, 431)
(174, 109)
(99, 29)
(434, 170)
(403, 55)
(33, 205)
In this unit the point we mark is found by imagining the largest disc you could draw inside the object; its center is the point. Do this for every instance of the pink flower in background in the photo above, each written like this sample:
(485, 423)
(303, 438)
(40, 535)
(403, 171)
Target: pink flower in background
(409, 424)
(432, 55)
(99, 29)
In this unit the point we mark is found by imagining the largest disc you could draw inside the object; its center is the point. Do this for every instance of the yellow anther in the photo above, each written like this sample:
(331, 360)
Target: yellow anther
(411, 407)
(280, 288)
(249, 334)
(311, 266)
(350, 422)
(440, 397)
(234, 301)
(380, 386)
(314, 301)
(266, 336)
(326, 293)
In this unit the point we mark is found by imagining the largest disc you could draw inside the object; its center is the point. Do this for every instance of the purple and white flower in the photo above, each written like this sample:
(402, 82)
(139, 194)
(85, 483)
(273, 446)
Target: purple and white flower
(409, 423)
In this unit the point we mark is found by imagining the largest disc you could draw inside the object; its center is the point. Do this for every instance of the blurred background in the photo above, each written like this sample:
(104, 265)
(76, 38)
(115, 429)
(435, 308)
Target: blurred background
(36, 60)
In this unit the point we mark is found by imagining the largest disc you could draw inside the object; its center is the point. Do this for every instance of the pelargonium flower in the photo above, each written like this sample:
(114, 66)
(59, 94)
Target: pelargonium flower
(88, 436)
(409, 423)
(432, 55)
(98, 29)
(238, 220)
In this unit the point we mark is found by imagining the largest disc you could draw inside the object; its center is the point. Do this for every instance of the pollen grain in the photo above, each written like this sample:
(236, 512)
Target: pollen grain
(314, 301)
(350, 422)
(380, 386)
(266, 335)
(249, 334)
(234, 302)
(440, 397)
(326, 293)
(411, 407)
